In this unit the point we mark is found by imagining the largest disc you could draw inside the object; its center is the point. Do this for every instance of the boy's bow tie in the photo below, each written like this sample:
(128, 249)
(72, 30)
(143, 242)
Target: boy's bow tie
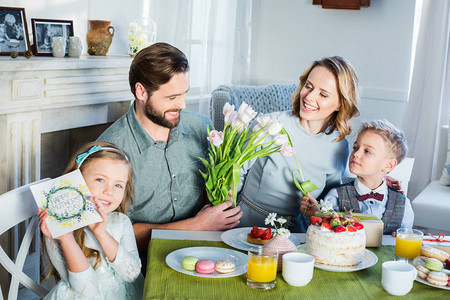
(375, 196)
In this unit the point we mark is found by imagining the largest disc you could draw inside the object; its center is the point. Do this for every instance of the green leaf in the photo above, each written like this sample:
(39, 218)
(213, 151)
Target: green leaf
(203, 174)
(308, 186)
(297, 184)
(205, 162)
(236, 177)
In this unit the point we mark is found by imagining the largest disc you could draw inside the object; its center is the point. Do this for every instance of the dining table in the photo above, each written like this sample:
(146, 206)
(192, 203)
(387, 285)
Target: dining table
(164, 282)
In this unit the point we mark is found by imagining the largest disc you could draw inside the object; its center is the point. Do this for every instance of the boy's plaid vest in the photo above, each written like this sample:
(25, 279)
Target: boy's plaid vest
(393, 214)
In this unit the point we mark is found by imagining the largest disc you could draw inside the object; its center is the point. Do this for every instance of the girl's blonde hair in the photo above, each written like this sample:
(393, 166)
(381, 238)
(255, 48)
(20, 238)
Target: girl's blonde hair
(348, 89)
(114, 154)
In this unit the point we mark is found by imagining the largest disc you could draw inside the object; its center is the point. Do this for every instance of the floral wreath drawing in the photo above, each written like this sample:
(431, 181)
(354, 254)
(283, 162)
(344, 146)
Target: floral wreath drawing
(67, 204)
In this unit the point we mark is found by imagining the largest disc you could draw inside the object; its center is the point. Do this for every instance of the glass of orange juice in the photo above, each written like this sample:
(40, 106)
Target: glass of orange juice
(261, 269)
(407, 244)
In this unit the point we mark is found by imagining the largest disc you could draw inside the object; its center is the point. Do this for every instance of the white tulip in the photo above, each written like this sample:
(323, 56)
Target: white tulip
(227, 107)
(246, 113)
(274, 128)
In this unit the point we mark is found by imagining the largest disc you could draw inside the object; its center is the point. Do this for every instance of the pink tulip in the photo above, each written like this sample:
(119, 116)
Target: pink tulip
(287, 151)
(215, 137)
(281, 140)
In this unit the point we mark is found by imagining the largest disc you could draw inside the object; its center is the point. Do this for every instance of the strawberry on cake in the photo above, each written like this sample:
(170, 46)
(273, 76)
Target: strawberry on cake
(259, 236)
(336, 241)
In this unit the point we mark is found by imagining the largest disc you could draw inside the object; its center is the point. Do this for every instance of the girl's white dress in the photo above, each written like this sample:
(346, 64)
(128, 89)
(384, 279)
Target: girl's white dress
(121, 279)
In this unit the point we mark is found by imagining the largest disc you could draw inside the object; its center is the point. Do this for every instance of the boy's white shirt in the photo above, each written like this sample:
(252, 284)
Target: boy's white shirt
(372, 206)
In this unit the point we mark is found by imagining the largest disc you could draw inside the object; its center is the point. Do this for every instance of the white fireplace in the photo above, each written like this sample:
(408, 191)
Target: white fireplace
(43, 95)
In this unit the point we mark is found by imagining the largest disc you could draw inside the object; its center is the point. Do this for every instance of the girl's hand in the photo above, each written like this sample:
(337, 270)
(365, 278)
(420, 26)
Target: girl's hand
(43, 215)
(100, 227)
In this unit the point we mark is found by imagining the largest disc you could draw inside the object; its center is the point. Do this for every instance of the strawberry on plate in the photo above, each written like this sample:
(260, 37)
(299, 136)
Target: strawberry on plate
(267, 235)
(256, 232)
(259, 236)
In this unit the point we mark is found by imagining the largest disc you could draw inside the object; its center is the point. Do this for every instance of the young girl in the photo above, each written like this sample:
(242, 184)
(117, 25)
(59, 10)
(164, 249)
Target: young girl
(100, 261)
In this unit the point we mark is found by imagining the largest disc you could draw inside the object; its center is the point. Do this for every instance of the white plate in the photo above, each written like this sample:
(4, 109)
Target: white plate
(174, 258)
(427, 283)
(237, 238)
(369, 260)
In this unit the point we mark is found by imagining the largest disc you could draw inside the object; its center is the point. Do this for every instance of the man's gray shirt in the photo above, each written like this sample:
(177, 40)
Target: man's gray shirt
(167, 181)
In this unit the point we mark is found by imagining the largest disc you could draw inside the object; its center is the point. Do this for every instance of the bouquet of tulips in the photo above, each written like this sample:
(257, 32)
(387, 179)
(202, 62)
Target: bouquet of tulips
(237, 144)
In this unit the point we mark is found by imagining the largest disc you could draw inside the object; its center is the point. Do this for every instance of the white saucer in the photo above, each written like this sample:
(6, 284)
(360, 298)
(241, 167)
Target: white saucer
(239, 259)
(237, 238)
(369, 260)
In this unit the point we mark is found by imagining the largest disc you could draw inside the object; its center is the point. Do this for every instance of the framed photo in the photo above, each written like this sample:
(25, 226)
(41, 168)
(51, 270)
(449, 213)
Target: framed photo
(43, 32)
(13, 31)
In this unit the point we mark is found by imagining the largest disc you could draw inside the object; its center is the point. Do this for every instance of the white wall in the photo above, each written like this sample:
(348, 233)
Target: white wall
(288, 35)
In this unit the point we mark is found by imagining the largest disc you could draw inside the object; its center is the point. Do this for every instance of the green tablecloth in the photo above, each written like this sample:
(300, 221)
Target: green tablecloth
(161, 282)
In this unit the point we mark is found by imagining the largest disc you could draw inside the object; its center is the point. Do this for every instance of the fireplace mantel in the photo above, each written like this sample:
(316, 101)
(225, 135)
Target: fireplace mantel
(45, 94)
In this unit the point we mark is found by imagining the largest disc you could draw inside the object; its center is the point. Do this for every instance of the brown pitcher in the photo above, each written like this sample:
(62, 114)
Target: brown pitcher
(99, 37)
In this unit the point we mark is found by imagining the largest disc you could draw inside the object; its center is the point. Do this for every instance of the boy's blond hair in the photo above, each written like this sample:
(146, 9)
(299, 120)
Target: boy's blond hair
(394, 138)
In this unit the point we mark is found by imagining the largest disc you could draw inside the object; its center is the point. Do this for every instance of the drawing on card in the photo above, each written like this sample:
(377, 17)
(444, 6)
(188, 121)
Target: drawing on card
(66, 199)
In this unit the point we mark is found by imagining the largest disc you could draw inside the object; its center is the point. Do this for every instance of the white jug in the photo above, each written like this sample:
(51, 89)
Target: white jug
(75, 46)
(59, 46)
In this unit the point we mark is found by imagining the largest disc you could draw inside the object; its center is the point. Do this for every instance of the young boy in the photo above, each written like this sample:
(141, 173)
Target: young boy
(378, 148)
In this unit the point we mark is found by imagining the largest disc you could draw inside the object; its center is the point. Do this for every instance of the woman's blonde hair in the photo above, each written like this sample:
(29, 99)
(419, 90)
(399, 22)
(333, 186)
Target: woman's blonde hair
(114, 154)
(348, 89)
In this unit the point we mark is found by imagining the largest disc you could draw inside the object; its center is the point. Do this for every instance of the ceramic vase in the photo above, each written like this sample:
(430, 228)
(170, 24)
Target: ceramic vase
(75, 46)
(99, 37)
(280, 244)
(59, 46)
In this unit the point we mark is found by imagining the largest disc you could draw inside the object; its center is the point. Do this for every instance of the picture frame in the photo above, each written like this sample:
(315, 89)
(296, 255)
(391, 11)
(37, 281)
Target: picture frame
(43, 32)
(13, 31)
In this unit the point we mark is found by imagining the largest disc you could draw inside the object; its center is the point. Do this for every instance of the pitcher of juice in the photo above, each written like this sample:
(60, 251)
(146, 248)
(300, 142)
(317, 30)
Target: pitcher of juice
(261, 269)
(408, 243)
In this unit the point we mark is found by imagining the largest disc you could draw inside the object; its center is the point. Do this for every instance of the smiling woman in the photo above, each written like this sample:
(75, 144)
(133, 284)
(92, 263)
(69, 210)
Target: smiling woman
(323, 105)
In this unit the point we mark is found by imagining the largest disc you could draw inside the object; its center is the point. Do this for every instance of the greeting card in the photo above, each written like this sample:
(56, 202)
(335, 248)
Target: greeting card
(66, 199)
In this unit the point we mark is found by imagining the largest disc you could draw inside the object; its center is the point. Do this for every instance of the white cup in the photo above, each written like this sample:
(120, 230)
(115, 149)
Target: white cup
(298, 268)
(397, 277)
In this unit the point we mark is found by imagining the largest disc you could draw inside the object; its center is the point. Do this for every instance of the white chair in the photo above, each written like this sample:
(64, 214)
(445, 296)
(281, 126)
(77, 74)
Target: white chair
(402, 172)
(18, 205)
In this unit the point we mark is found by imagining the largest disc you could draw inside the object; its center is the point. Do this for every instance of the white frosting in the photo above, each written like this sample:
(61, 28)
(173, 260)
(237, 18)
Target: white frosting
(335, 248)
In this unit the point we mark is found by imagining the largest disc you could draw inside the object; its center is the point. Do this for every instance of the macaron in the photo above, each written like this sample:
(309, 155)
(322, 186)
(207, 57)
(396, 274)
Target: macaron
(422, 272)
(419, 261)
(205, 266)
(433, 264)
(225, 266)
(189, 262)
(437, 278)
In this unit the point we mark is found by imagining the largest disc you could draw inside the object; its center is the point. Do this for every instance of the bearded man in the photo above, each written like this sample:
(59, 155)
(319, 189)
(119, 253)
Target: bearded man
(163, 142)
